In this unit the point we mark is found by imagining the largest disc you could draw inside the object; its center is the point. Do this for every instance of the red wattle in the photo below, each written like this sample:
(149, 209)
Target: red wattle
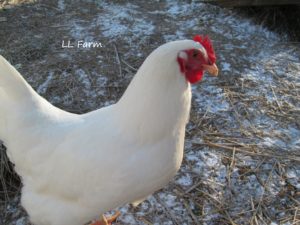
(191, 76)
(194, 76)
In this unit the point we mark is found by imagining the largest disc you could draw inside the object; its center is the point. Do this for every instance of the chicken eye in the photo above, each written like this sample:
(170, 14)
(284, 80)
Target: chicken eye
(195, 53)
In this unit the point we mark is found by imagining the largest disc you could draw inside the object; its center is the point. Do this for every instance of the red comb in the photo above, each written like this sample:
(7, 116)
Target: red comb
(206, 43)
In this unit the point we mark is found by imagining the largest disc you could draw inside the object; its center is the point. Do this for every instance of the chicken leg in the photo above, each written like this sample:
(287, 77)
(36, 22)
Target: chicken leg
(107, 220)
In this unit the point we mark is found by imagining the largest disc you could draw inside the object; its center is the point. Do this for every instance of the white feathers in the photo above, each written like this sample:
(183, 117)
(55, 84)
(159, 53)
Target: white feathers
(202, 50)
(75, 167)
(11, 82)
(198, 46)
(183, 55)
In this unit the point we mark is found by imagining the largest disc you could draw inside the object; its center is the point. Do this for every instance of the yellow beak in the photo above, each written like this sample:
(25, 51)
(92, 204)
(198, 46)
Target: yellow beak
(211, 69)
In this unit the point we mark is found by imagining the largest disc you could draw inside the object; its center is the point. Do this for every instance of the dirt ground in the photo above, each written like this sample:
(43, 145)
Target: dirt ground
(282, 19)
(242, 151)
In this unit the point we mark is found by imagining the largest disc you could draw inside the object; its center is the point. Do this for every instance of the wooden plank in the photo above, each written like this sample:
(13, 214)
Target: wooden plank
(243, 3)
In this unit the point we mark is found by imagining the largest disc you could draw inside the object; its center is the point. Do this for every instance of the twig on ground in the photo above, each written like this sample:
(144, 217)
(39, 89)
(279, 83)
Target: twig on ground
(217, 145)
(264, 191)
(167, 211)
(118, 60)
(254, 218)
(191, 212)
(145, 220)
(127, 64)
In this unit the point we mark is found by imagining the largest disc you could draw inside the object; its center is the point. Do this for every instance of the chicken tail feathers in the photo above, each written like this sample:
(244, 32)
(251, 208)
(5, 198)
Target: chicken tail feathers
(15, 95)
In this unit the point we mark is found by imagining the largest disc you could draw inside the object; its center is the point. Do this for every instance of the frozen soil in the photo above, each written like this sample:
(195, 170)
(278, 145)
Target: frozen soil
(242, 152)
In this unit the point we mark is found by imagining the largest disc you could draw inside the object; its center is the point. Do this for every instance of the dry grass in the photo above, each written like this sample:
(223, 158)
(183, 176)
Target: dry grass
(228, 146)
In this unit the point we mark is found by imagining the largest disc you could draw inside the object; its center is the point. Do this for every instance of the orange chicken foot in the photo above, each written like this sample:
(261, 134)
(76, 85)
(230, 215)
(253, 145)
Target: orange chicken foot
(107, 220)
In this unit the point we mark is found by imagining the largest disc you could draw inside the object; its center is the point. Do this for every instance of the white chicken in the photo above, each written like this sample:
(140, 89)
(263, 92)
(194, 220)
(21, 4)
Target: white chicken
(74, 167)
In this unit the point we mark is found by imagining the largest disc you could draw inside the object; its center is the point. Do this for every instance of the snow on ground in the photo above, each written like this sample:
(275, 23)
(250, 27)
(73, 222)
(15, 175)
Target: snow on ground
(61, 5)
(243, 125)
(43, 87)
(115, 20)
